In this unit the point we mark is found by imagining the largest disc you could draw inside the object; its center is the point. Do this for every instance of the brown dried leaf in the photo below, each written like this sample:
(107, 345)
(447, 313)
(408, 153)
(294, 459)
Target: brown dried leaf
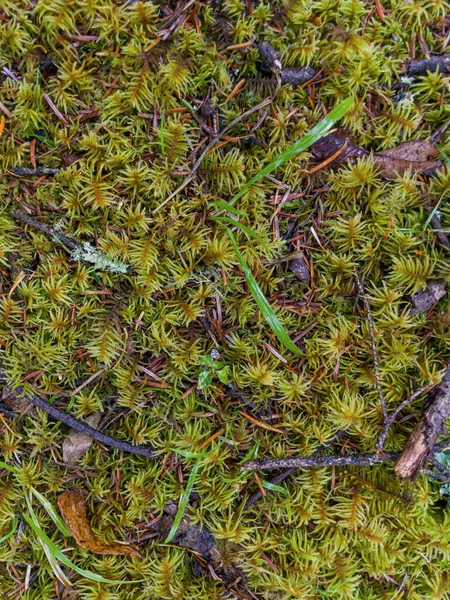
(73, 510)
(417, 156)
(78, 443)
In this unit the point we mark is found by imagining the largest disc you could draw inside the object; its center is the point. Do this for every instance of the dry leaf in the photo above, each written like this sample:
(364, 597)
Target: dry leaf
(418, 156)
(73, 510)
(78, 442)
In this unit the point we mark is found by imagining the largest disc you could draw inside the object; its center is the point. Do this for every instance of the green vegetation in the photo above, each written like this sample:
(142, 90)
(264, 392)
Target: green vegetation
(111, 92)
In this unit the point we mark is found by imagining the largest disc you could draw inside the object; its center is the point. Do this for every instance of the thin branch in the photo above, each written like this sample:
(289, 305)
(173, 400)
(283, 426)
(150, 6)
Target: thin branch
(211, 144)
(372, 345)
(306, 462)
(39, 171)
(50, 231)
(359, 460)
(71, 421)
(422, 65)
(390, 419)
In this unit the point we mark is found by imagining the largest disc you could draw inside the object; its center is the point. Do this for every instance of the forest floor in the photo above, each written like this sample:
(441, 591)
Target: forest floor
(224, 256)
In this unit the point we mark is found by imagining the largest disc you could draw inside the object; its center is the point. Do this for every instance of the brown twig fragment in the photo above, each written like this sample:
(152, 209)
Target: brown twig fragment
(71, 421)
(423, 438)
(372, 345)
(39, 171)
(50, 231)
(422, 65)
(306, 462)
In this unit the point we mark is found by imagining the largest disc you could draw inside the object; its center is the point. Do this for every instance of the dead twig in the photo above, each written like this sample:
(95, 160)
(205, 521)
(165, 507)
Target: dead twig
(422, 65)
(71, 421)
(358, 460)
(39, 171)
(423, 438)
(307, 462)
(372, 345)
(50, 231)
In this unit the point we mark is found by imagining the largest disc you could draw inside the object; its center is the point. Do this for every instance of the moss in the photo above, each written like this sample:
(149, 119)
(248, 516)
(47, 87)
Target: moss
(126, 140)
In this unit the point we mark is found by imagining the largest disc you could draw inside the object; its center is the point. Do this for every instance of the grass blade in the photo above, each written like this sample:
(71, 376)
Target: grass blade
(12, 532)
(3, 465)
(59, 556)
(51, 512)
(183, 503)
(274, 488)
(300, 145)
(242, 227)
(262, 302)
(222, 205)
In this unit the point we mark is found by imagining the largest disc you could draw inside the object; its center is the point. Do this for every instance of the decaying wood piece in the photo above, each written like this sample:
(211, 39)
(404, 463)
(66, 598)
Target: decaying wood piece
(294, 76)
(424, 300)
(432, 423)
(423, 65)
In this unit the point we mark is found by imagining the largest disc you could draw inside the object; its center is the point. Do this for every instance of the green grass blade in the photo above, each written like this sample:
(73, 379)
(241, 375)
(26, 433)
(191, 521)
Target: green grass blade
(242, 227)
(58, 555)
(433, 212)
(300, 145)
(183, 504)
(51, 512)
(12, 532)
(273, 487)
(222, 205)
(262, 302)
(3, 465)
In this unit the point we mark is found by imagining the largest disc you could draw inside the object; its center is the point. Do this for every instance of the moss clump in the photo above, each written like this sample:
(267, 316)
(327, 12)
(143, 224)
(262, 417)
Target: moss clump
(94, 89)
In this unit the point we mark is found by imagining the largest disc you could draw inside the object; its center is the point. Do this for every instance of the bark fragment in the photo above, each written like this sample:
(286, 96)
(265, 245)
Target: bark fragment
(432, 424)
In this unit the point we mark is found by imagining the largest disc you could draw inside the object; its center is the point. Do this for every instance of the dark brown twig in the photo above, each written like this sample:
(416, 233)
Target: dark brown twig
(358, 460)
(71, 421)
(372, 346)
(422, 65)
(50, 231)
(306, 462)
(26, 172)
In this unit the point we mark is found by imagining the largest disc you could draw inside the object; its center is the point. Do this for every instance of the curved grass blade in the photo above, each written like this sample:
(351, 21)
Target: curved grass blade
(54, 516)
(57, 554)
(273, 487)
(183, 503)
(12, 532)
(262, 302)
(300, 145)
(222, 205)
(3, 465)
(242, 227)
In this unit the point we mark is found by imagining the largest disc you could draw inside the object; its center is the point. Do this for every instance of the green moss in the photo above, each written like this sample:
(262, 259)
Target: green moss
(126, 139)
